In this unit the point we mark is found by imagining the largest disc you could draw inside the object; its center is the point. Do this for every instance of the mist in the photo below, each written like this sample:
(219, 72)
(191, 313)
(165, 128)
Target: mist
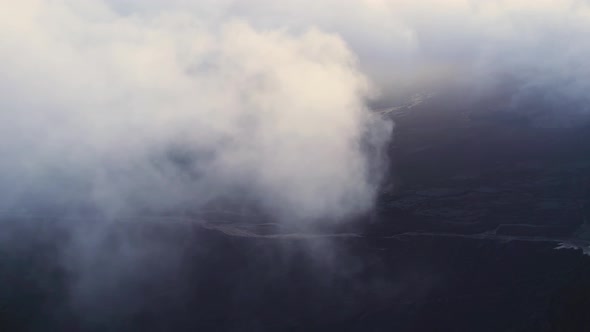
(144, 111)
(166, 111)
(124, 106)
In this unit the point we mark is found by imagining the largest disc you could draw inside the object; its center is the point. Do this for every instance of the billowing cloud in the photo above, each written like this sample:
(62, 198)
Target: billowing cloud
(537, 47)
(127, 107)
(167, 110)
(164, 104)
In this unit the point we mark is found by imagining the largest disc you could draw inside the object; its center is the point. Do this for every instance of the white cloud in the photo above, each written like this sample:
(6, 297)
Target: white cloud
(408, 45)
(168, 108)
(269, 95)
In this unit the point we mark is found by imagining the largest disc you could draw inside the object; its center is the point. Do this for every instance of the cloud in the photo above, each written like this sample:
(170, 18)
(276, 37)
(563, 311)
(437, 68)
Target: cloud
(147, 106)
(408, 46)
(164, 104)
(166, 110)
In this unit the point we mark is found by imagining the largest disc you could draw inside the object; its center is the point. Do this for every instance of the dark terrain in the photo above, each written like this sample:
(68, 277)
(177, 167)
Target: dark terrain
(463, 239)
